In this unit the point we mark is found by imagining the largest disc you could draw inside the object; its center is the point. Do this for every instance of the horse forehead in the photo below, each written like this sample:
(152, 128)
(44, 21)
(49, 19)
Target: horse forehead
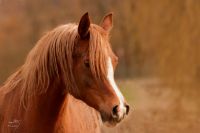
(82, 45)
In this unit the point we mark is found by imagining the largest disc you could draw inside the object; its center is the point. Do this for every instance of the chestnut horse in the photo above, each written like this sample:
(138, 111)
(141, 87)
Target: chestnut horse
(66, 81)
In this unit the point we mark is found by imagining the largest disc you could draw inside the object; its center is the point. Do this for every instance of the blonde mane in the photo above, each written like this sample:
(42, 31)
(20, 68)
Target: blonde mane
(52, 57)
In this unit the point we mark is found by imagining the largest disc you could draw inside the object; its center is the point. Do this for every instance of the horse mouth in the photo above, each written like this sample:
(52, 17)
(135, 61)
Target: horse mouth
(110, 121)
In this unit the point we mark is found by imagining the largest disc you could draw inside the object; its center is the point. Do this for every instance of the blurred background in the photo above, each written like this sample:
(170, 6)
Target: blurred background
(158, 44)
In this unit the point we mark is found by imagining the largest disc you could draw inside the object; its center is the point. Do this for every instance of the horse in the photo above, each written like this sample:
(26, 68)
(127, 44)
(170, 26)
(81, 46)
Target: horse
(66, 84)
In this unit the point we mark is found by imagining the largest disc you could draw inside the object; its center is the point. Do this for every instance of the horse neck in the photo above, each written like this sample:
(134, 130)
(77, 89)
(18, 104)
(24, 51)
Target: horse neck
(77, 117)
(43, 112)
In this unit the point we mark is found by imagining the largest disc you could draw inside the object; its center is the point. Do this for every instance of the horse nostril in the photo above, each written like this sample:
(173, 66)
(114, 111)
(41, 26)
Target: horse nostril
(127, 109)
(115, 111)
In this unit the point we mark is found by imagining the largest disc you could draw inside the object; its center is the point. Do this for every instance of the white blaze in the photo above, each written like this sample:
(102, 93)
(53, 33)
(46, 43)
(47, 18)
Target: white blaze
(110, 77)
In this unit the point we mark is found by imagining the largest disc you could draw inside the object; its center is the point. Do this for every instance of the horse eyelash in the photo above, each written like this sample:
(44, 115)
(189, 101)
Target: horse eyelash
(87, 64)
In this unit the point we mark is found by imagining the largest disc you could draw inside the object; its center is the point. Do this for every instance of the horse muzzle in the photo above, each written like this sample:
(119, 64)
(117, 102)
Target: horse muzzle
(117, 115)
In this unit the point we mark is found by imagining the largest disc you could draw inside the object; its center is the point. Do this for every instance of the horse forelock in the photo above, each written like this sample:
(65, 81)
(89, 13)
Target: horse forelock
(99, 50)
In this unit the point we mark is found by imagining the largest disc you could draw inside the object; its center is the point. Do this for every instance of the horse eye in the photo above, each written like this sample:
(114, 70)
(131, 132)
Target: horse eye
(87, 64)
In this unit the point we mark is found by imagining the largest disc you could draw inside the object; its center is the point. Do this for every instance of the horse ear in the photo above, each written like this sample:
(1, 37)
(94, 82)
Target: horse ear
(107, 22)
(83, 27)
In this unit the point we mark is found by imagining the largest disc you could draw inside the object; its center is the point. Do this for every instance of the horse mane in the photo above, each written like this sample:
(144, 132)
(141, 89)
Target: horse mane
(52, 57)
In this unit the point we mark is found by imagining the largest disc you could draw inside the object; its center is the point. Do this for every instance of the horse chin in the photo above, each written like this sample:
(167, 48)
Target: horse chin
(108, 120)
(110, 124)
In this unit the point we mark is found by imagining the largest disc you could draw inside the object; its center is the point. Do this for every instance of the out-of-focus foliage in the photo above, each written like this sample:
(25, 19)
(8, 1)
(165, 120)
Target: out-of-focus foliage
(151, 37)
